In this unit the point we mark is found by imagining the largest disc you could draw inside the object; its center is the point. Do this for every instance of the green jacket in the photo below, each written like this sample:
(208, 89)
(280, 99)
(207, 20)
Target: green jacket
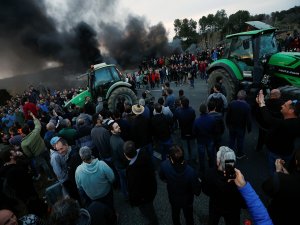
(33, 144)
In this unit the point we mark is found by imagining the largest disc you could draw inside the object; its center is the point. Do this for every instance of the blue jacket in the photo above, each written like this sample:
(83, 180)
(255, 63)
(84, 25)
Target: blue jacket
(256, 208)
(203, 128)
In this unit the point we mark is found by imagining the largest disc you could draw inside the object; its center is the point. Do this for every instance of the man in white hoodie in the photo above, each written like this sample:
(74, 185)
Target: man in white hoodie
(94, 178)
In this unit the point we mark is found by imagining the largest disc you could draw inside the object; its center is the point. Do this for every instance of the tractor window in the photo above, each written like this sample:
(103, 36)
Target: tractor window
(115, 73)
(241, 47)
(102, 76)
(268, 45)
(241, 52)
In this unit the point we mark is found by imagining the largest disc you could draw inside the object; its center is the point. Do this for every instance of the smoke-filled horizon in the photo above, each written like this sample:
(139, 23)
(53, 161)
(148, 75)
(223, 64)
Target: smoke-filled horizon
(31, 36)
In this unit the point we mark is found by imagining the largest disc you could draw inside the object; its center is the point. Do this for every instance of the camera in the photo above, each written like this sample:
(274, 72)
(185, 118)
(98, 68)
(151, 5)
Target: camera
(229, 169)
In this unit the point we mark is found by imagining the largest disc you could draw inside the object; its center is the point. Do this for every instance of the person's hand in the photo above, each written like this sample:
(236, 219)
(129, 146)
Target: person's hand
(54, 112)
(31, 114)
(260, 99)
(239, 178)
(279, 164)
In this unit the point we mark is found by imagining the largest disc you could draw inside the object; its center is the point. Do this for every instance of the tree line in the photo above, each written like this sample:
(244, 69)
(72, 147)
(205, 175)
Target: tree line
(190, 31)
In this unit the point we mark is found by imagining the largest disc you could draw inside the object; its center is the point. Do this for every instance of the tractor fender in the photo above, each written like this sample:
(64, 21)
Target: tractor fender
(115, 85)
(229, 66)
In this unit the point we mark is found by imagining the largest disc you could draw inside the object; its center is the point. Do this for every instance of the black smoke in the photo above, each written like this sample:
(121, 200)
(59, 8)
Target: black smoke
(29, 38)
(130, 44)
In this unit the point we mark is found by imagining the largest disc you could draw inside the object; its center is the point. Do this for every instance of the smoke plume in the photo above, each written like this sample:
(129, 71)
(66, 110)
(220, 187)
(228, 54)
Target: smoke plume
(34, 33)
(30, 39)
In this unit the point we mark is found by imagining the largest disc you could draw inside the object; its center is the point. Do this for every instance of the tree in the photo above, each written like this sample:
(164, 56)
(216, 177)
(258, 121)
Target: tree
(202, 24)
(210, 22)
(220, 19)
(236, 22)
(185, 30)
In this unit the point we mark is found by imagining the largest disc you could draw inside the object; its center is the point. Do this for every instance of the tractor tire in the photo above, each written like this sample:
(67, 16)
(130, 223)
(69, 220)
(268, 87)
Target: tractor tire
(228, 83)
(125, 92)
(290, 93)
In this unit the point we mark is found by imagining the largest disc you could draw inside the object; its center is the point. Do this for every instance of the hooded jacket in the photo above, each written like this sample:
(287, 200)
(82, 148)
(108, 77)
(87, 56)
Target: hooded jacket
(94, 178)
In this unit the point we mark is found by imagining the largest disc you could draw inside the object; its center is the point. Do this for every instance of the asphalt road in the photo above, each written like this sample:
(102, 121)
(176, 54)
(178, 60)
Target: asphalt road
(254, 168)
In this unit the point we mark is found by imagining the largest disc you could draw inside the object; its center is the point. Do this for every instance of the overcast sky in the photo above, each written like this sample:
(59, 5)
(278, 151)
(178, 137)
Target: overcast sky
(166, 11)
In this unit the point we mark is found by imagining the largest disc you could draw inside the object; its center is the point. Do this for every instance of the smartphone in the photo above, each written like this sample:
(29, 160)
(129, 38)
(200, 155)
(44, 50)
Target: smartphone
(229, 169)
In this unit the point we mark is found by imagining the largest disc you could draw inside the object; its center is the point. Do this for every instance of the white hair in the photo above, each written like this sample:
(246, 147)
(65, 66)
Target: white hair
(225, 153)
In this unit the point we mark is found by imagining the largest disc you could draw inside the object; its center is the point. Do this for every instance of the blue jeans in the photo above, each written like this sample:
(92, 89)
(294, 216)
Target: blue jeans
(236, 138)
(202, 147)
(272, 158)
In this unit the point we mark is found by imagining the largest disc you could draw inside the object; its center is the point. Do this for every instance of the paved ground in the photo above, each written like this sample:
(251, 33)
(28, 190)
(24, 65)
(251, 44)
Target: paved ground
(253, 167)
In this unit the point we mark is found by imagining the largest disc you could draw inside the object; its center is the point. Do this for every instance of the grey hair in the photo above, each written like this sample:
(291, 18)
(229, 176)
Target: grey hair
(85, 153)
(225, 153)
(242, 95)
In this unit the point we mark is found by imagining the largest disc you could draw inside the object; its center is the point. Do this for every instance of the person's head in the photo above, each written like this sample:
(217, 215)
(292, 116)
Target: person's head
(137, 109)
(219, 80)
(65, 123)
(127, 107)
(275, 94)
(203, 109)
(161, 100)
(185, 102)
(7, 217)
(224, 153)
(158, 108)
(85, 154)
(50, 126)
(217, 87)
(87, 98)
(241, 95)
(6, 155)
(290, 109)
(142, 102)
(176, 155)
(62, 146)
(114, 127)
(68, 212)
(54, 141)
(129, 149)
(167, 84)
(181, 92)
(26, 129)
(211, 105)
(169, 91)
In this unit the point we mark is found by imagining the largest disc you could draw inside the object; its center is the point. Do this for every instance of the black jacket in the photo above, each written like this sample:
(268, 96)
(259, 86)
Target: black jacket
(182, 183)
(142, 186)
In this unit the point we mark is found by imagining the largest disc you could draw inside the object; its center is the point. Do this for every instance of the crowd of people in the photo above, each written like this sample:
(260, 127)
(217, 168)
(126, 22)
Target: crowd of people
(91, 152)
(181, 68)
(87, 154)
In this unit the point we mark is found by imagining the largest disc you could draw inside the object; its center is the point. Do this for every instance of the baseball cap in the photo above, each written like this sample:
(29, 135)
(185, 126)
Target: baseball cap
(54, 140)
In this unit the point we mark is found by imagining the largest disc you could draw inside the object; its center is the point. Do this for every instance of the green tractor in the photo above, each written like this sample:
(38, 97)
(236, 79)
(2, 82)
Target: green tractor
(252, 61)
(107, 82)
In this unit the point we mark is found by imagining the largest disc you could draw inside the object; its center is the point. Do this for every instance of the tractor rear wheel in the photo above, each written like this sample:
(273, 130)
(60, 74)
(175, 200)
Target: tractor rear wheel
(228, 83)
(125, 92)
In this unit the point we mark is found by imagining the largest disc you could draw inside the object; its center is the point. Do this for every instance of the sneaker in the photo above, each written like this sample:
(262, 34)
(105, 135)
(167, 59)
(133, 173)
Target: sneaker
(241, 156)
(36, 178)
